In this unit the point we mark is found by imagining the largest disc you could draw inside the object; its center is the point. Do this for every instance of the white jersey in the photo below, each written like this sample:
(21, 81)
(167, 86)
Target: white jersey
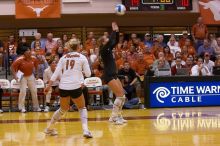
(71, 67)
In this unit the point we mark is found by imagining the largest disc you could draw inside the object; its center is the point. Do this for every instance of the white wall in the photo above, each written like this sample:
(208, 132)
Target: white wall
(7, 7)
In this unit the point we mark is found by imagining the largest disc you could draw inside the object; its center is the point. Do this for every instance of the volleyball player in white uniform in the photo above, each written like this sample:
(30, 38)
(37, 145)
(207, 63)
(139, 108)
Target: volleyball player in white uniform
(71, 66)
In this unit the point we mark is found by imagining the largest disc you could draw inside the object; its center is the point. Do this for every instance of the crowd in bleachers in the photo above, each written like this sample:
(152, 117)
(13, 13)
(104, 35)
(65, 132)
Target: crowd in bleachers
(135, 57)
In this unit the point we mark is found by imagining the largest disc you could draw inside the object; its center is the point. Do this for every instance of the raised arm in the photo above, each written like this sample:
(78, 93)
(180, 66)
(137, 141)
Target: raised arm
(114, 38)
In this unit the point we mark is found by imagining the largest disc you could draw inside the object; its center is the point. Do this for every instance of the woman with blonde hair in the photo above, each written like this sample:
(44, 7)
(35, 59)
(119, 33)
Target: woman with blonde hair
(71, 68)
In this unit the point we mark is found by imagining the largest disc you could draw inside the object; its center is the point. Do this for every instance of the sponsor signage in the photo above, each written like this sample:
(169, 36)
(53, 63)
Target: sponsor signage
(176, 94)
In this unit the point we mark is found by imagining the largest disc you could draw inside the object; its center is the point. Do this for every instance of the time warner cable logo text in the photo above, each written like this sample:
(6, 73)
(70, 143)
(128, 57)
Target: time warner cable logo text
(185, 94)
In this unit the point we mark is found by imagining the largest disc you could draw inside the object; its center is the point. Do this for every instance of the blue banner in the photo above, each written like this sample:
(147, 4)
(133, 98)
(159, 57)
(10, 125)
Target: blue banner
(176, 94)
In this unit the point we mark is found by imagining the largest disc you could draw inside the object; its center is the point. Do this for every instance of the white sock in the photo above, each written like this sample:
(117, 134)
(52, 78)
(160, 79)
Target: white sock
(84, 118)
(116, 107)
(56, 116)
(122, 104)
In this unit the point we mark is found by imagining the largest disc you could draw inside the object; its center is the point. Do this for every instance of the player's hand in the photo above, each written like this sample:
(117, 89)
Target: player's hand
(115, 26)
(16, 78)
(46, 90)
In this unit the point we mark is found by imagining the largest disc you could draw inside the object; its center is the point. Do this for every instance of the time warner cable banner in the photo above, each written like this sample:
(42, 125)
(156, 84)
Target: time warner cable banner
(174, 94)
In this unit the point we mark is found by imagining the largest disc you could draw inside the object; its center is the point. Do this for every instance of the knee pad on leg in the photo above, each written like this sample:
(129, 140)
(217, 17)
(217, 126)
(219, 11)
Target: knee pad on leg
(59, 113)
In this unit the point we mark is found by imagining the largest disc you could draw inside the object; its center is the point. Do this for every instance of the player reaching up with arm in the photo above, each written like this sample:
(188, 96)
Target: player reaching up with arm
(71, 66)
(110, 73)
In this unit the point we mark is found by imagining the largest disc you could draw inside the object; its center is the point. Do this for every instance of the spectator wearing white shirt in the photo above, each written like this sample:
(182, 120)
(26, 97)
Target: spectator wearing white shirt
(173, 47)
(208, 63)
(178, 55)
(200, 69)
(175, 43)
(46, 77)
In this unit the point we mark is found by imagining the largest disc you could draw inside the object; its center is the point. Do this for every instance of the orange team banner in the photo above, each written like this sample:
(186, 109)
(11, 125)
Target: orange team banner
(26, 9)
(210, 11)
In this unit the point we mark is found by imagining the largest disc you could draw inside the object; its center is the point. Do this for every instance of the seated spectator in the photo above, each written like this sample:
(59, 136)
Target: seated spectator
(177, 66)
(1, 93)
(37, 49)
(10, 49)
(128, 77)
(189, 63)
(64, 39)
(120, 62)
(148, 55)
(183, 39)
(46, 77)
(190, 49)
(89, 43)
(160, 55)
(38, 39)
(206, 48)
(217, 47)
(156, 48)
(168, 55)
(22, 42)
(200, 69)
(212, 40)
(51, 45)
(140, 65)
(131, 39)
(147, 40)
(132, 55)
(120, 46)
(178, 55)
(60, 51)
(132, 103)
(161, 65)
(184, 53)
(208, 63)
(160, 39)
(173, 47)
(175, 43)
(1, 55)
(217, 62)
(94, 55)
(42, 64)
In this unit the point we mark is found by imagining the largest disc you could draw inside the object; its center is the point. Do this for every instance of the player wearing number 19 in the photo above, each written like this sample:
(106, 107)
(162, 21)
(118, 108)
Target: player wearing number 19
(70, 69)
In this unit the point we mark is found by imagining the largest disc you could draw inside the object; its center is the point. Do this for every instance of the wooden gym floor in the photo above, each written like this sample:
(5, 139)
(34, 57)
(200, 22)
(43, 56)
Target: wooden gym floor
(148, 127)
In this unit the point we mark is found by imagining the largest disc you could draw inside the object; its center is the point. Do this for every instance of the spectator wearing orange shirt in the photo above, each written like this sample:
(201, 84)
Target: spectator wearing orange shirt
(190, 49)
(140, 65)
(199, 32)
(156, 48)
(26, 64)
(119, 46)
(132, 38)
(148, 55)
(183, 39)
(121, 61)
(88, 43)
(184, 53)
(132, 55)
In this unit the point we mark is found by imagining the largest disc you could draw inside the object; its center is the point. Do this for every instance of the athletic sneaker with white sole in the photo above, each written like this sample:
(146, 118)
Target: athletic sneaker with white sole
(1, 111)
(116, 120)
(122, 119)
(23, 110)
(51, 132)
(47, 109)
(87, 134)
(37, 110)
